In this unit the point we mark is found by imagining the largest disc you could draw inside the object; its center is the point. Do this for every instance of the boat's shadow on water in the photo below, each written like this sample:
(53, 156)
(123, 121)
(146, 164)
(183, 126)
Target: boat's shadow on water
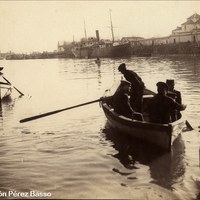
(166, 168)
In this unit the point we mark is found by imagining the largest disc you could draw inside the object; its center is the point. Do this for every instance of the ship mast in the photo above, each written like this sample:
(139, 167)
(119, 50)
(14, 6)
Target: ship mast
(111, 26)
(85, 31)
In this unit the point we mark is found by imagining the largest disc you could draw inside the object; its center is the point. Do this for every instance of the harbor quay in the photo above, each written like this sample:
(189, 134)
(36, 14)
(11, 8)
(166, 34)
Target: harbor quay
(184, 39)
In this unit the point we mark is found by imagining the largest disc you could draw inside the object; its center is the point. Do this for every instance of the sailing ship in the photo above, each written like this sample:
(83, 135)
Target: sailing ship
(93, 47)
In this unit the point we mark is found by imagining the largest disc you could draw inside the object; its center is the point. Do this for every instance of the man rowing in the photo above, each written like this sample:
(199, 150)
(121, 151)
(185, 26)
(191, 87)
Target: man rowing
(121, 103)
(176, 95)
(161, 106)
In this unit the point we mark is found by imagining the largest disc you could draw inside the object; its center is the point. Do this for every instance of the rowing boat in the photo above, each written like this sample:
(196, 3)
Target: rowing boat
(5, 89)
(162, 135)
(5, 93)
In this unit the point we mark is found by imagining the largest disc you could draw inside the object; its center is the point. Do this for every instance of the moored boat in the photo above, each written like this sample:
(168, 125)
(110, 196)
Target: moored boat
(162, 135)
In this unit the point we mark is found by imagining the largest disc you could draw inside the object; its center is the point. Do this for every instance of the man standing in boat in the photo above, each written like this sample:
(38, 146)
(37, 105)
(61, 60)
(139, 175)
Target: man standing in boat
(161, 105)
(137, 87)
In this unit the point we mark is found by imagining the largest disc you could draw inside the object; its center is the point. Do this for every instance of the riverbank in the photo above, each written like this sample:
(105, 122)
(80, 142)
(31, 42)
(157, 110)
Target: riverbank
(167, 49)
(179, 49)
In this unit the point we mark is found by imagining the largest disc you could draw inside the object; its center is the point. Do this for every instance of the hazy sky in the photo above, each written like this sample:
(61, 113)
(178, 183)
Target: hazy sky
(27, 26)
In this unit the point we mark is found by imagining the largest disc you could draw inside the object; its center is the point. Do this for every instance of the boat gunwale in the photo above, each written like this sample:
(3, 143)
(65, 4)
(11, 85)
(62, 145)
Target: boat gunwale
(135, 122)
(144, 126)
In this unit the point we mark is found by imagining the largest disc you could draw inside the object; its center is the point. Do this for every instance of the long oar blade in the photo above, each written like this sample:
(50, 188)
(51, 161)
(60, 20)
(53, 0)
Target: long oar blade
(13, 86)
(18, 91)
(56, 111)
(189, 125)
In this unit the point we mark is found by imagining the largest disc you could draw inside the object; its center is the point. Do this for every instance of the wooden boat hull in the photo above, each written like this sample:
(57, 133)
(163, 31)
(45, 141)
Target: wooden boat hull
(162, 135)
(5, 93)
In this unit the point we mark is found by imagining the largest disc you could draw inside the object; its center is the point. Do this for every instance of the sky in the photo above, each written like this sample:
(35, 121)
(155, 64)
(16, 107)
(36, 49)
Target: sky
(28, 26)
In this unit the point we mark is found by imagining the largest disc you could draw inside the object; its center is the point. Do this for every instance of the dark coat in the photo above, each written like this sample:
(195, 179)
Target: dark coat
(121, 103)
(137, 89)
(176, 95)
(161, 107)
(133, 78)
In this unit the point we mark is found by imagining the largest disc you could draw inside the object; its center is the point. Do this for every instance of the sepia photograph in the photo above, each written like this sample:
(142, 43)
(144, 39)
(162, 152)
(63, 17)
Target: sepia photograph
(100, 100)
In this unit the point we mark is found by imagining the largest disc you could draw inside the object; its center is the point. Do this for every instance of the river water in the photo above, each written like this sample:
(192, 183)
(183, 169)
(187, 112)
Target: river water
(74, 154)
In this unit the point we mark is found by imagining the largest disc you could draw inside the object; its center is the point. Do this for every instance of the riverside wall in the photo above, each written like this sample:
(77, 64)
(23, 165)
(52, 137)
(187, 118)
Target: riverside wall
(166, 49)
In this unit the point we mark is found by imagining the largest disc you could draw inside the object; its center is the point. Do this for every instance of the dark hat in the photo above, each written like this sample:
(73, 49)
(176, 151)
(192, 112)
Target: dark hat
(122, 67)
(124, 82)
(162, 85)
(170, 81)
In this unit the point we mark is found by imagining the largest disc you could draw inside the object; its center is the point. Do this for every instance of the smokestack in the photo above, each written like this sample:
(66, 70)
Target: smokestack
(97, 35)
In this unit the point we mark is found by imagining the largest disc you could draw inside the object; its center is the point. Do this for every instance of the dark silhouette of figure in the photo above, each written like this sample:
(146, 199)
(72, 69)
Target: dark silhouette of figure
(1, 74)
(120, 100)
(121, 103)
(137, 87)
(161, 106)
(98, 61)
(176, 95)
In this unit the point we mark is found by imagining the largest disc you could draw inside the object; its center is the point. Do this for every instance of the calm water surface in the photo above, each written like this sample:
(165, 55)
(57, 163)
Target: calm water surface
(74, 154)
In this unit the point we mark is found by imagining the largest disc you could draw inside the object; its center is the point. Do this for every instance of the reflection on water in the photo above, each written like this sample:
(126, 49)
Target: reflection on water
(1, 116)
(68, 154)
(166, 168)
(169, 168)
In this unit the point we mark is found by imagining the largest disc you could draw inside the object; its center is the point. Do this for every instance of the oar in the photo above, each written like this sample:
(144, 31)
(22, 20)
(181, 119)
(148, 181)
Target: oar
(57, 111)
(13, 86)
(189, 125)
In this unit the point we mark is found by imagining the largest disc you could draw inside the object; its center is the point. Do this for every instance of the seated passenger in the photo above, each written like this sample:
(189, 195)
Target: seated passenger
(161, 105)
(121, 103)
(172, 92)
(176, 95)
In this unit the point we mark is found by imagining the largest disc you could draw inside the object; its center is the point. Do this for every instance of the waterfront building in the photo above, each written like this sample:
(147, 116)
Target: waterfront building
(188, 32)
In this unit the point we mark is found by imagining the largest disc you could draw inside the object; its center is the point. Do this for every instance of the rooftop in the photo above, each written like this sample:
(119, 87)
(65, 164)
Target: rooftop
(194, 16)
